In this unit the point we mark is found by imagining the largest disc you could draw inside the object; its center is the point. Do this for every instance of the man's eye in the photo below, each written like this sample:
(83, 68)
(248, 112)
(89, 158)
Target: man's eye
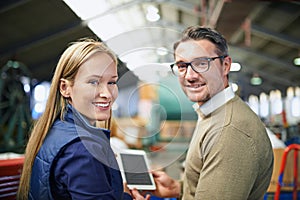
(200, 63)
(181, 65)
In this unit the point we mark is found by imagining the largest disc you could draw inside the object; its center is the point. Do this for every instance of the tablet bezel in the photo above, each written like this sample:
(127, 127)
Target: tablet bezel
(140, 153)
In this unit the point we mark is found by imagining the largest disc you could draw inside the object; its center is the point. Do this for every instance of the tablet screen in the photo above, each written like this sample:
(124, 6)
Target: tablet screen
(135, 169)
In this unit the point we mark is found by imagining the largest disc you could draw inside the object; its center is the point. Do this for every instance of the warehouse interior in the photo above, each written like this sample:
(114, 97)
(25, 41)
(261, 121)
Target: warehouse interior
(263, 38)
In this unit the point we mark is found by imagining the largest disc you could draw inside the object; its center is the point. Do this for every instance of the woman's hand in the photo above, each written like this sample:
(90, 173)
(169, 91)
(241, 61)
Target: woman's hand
(126, 189)
(135, 193)
(137, 196)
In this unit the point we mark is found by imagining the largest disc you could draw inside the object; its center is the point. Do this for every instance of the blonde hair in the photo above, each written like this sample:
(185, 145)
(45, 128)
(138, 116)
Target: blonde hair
(69, 63)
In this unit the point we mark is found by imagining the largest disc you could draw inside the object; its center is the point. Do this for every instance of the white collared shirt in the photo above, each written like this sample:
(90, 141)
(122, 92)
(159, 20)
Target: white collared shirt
(214, 103)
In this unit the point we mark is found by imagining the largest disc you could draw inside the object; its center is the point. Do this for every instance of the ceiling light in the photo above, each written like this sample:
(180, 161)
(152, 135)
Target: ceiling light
(263, 105)
(152, 14)
(295, 107)
(290, 92)
(276, 102)
(297, 61)
(235, 67)
(256, 80)
(235, 87)
(297, 91)
(253, 103)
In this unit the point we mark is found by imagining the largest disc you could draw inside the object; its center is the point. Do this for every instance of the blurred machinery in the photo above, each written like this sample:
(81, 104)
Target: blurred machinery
(15, 118)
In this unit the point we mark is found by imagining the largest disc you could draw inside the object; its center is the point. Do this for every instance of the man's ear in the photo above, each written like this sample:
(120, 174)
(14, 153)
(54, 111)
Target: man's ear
(65, 87)
(227, 64)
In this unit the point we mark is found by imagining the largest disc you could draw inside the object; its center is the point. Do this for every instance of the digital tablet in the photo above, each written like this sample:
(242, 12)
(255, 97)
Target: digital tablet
(134, 168)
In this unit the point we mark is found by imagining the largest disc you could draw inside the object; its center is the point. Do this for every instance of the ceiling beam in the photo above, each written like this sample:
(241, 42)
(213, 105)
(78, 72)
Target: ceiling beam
(216, 11)
(233, 15)
(275, 36)
(185, 6)
(239, 33)
(266, 58)
(273, 79)
(40, 39)
(9, 5)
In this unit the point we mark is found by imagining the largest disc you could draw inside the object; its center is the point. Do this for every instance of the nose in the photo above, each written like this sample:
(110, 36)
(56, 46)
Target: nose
(190, 73)
(104, 92)
(103, 95)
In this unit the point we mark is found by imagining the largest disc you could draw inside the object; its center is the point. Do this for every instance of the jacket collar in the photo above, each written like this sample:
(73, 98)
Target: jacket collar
(79, 120)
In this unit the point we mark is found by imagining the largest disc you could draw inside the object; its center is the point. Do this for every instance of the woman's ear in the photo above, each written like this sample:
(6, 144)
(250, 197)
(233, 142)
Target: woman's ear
(64, 87)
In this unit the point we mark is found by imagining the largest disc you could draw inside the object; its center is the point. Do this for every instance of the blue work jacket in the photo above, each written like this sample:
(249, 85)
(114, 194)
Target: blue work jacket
(76, 162)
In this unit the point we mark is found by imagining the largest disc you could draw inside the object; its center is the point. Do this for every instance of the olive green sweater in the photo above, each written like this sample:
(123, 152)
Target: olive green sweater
(230, 155)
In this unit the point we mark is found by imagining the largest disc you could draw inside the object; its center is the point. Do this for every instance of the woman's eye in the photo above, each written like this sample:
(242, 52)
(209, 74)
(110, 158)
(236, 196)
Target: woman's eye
(112, 83)
(94, 82)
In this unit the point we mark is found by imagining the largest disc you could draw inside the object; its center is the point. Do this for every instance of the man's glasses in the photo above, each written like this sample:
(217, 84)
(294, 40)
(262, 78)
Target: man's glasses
(199, 65)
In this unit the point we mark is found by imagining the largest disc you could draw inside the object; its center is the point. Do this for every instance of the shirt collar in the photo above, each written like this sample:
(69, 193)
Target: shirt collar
(214, 103)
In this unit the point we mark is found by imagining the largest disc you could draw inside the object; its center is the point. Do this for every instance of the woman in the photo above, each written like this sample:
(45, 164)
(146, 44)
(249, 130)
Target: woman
(67, 156)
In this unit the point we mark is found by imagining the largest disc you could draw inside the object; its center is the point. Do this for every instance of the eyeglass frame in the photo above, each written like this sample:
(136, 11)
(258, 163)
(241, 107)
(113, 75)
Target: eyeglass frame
(209, 59)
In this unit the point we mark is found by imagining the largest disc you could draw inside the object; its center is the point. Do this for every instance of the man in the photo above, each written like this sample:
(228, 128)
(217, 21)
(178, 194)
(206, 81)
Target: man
(230, 155)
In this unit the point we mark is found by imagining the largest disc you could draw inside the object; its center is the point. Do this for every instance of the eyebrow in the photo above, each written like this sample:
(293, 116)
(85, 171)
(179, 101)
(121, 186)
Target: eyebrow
(99, 77)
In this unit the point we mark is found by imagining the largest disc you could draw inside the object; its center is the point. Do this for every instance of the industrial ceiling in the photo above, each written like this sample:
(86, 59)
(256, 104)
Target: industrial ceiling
(264, 36)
